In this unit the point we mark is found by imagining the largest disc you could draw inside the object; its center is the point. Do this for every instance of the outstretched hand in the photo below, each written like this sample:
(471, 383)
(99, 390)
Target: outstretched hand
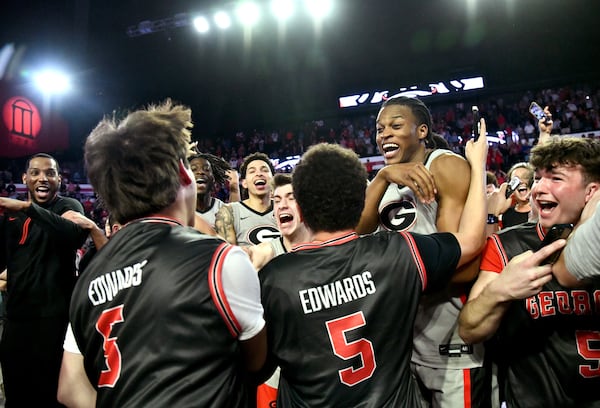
(476, 151)
(523, 276)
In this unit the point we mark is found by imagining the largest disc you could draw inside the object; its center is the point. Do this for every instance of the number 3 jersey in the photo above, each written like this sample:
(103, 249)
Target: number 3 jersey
(548, 345)
(340, 316)
(147, 321)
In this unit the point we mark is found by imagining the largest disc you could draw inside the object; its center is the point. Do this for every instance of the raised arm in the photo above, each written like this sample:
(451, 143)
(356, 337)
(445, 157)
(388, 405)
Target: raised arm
(224, 224)
(471, 229)
(234, 185)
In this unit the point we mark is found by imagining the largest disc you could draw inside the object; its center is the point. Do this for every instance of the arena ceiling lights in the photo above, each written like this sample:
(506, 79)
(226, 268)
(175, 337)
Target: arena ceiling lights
(245, 13)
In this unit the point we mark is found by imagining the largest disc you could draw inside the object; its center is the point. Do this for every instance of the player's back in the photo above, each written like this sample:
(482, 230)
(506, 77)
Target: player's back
(341, 314)
(146, 322)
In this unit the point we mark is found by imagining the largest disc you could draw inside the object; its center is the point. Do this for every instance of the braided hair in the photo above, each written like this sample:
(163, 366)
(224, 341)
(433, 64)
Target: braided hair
(219, 166)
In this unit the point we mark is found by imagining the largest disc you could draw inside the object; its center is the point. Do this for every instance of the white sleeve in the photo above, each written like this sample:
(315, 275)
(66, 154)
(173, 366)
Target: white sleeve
(242, 289)
(582, 257)
(70, 344)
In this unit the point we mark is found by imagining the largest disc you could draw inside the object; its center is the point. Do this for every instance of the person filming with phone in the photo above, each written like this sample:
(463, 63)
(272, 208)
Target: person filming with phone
(543, 336)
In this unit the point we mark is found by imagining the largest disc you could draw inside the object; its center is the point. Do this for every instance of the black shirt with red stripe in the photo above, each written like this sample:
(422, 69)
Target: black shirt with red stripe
(148, 317)
(38, 247)
(340, 316)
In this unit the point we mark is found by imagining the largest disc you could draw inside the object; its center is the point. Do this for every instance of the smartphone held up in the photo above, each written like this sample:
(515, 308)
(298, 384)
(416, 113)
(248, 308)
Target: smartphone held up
(537, 111)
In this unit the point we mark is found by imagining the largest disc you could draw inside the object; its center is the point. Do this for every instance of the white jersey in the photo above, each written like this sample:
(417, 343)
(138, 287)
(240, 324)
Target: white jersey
(210, 214)
(253, 227)
(436, 326)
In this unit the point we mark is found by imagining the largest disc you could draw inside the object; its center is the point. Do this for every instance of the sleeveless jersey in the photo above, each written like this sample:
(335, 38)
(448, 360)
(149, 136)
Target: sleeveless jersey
(548, 345)
(153, 288)
(341, 315)
(278, 247)
(252, 227)
(400, 210)
(210, 214)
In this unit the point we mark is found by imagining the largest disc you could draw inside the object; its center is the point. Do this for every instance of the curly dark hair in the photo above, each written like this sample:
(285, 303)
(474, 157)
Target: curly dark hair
(570, 152)
(251, 158)
(218, 165)
(423, 116)
(329, 183)
(133, 163)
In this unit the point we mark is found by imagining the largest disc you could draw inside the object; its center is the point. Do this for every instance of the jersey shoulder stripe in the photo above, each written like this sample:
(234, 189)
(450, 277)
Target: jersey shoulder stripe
(215, 283)
(416, 257)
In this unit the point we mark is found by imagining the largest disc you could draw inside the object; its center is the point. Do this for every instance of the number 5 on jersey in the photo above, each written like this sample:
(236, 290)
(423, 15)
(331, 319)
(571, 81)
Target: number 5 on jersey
(112, 354)
(345, 350)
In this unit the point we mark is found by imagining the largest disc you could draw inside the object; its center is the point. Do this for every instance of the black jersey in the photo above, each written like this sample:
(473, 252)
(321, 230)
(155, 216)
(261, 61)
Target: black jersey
(152, 323)
(548, 344)
(39, 248)
(340, 316)
(512, 217)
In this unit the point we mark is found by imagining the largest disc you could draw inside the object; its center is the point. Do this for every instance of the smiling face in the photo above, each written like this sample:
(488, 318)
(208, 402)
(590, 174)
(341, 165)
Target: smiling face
(258, 175)
(42, 179)
(559, 195)
(399, 135)
(203, 174)
(286, 210)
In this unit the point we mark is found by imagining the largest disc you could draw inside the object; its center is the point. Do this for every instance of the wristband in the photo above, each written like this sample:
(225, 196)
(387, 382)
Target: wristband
(492, 219)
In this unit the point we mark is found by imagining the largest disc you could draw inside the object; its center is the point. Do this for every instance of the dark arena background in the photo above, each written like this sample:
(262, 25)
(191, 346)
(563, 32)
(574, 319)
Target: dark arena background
(281, 85)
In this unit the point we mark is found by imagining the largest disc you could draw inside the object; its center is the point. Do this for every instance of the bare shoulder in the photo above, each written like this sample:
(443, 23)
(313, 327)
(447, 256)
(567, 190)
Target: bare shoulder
(451, 171)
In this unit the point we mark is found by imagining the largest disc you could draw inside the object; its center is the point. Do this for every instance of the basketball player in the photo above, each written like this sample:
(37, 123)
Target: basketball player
(341, 308)
(546, 336)
(423, 189)
(250, 221)
(208, 170)
(163, 315)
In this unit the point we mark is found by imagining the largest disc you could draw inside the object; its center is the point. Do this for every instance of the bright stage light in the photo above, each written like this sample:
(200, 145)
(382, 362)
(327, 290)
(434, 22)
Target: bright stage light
(201, 24)
(282, 9)
(248, 13)
(319, 9)
(52, 82)
(222, 20)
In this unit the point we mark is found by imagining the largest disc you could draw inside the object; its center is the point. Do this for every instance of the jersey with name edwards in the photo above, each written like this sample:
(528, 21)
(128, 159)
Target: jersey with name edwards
(144, 318)
(340, 316)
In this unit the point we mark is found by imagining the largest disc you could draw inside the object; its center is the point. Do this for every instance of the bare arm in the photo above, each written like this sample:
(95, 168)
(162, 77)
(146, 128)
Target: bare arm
(254, 351)
(224, 224)
(471, 229)
(453, 188)
(413, 175)
(234, 185)
(3, 280)
(492, 293)
(74, 388)
(203, 226)
(260, 254)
